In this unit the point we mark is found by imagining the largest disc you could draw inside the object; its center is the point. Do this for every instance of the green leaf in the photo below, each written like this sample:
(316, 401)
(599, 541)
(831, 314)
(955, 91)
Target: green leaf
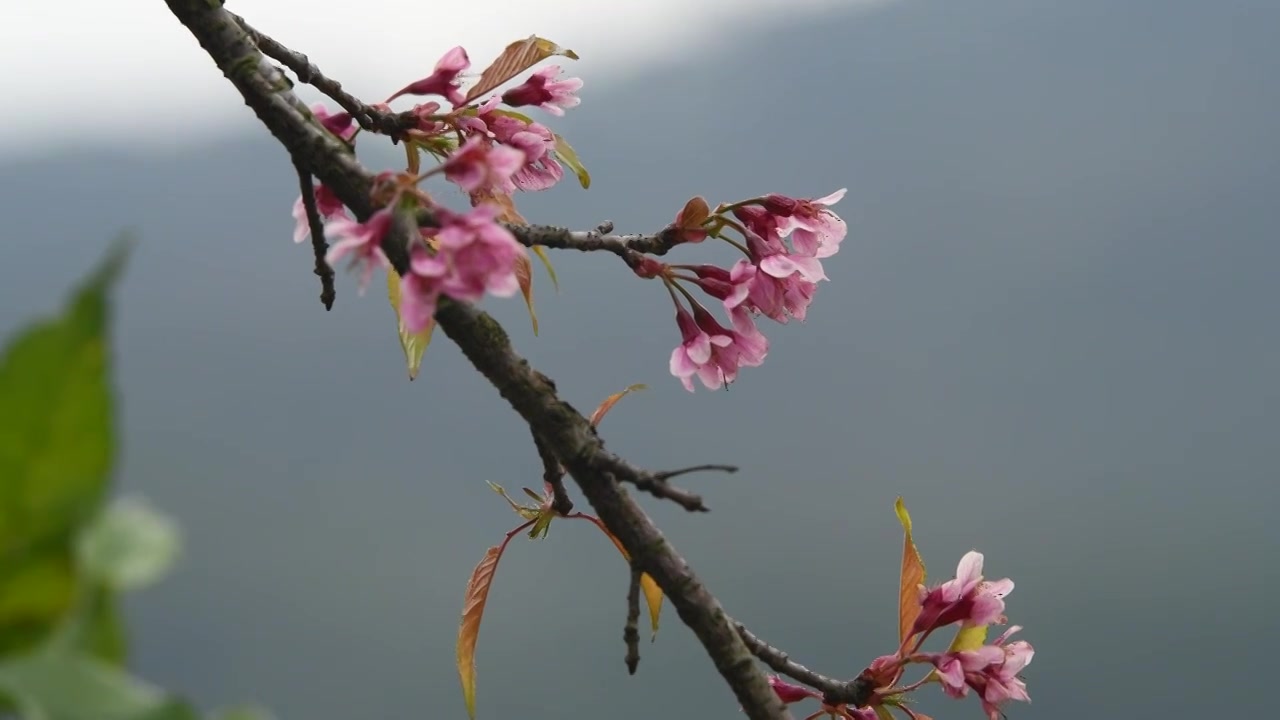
(413, 344)
(56, 453)
(569, 157)
(129, 546)
(541, 252)
(61, 686)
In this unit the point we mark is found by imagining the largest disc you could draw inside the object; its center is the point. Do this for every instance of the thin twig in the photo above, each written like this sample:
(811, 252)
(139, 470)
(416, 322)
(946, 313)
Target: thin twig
(369, 117)
(854, 693)
(631, 633)
(553, 475)
(318, 244)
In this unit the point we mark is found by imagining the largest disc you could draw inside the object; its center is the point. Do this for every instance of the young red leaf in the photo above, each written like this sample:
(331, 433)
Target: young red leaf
(472, 613)
(515, 59)
(524, 275)
(691, 218)
(612, 400)
(912, 576)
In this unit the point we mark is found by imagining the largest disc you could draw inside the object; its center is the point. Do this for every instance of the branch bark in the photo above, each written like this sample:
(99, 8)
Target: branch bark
(485, 344)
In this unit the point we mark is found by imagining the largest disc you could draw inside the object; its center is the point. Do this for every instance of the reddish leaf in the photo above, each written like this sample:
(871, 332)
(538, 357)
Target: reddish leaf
(612, 400)
(472, 613)
(694, 214)
(524, 275)
(912, 576)
(518, 57)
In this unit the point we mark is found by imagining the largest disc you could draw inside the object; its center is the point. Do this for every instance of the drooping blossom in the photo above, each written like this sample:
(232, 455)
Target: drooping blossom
(713, 352)
(967, 598)
(544, 91)
(473, 256)
(480, 165)
(327, 205)
(991, 671)
(536, 141)
(362, 241)
(778, 299)
(771, 255)
(340, 124)
(791, 693)
(747, 347)
(720, 283)
(443, 80)
(815, 230)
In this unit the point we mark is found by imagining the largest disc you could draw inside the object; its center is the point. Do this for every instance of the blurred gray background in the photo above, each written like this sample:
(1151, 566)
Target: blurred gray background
(1052, 329)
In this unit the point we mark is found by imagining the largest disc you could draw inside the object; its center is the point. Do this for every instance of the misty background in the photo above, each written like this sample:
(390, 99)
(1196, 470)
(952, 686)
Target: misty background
(1052, 329)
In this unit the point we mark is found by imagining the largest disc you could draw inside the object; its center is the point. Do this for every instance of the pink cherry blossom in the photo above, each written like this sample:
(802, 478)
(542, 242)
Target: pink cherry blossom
(759, 221)
(748, 346)
(327, 204)
(772, 257)
(713, 352)
(542, 90)
(791, 693)
(340, 124)
(362, 241)
(419, 295)
(480, 165)
(991, 670)
(475, 255)
(776, 298)
(815, 230)
(693, 355)
(443, 81)
(536, 141)
(966, 599)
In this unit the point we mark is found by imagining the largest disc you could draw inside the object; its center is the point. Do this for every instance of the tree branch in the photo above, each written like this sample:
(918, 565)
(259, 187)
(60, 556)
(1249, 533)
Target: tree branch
(853, 693)
(485, 344)
(318, 245)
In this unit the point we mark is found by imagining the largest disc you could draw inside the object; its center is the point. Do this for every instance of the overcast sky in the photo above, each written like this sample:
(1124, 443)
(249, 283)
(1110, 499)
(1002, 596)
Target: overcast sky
(122, 62)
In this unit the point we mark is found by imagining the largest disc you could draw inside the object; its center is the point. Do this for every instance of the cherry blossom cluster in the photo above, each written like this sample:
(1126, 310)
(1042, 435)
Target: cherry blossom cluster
(990, 670)
(487, 151)
(491, 151)
(783, 241)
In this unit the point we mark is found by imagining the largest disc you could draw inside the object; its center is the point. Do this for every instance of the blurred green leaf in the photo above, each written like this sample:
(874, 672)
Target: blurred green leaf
(130, 545)
(63, 686)
(56, 453)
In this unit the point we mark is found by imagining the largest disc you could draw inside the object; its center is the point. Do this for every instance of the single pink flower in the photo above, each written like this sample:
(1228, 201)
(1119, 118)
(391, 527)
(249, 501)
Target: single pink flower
(327, 204)
(475, 255)
(443, 81)
(759, 221)
(790, 693)
(747, 347)
(479, 165)
(773, 258)
(362, 241)
(536, 141)
(693, 355)
(543, 90)
(340, 124)
(991, 671)
(776, 298)
(966, 599)
(419, 295)
(815, 230)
